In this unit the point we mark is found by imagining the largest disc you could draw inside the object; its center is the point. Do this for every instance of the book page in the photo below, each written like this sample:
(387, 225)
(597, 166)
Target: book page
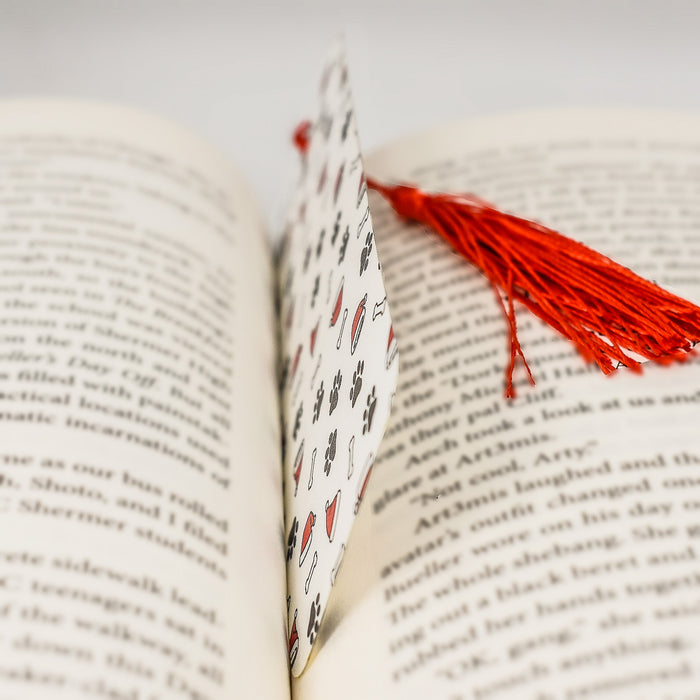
(140, 495)
(548, 546)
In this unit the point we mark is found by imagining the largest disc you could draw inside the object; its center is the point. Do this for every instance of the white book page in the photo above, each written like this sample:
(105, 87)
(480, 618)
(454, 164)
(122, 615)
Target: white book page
(545, 547)
(140, 494)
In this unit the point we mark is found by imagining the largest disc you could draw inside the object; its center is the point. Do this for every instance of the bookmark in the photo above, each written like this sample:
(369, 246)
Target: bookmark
(337, 335)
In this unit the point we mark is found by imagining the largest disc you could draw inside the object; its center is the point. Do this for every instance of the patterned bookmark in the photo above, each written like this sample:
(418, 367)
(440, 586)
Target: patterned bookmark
(340, 358)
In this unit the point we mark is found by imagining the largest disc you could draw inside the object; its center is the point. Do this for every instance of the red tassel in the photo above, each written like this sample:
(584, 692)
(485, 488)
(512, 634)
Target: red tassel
(603, 308)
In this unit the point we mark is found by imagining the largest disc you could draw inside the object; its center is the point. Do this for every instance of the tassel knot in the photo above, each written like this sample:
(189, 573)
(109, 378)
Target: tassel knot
(410, 201)
(413, 203)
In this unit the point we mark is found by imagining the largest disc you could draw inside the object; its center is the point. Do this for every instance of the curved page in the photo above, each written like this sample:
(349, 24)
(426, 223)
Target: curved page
(138, 415)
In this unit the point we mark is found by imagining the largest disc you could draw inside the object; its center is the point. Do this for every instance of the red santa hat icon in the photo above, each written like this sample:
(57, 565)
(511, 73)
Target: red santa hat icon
(357, 323)
(391, 348)
(293, 643)
(332, 509)
(314, 335)
(295, 363)
(306, 537)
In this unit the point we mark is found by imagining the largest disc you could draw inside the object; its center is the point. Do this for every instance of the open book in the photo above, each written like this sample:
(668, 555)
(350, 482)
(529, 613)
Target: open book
(150, 496)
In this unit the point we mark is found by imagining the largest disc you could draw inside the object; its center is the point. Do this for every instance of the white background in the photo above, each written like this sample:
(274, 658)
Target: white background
(243, 74)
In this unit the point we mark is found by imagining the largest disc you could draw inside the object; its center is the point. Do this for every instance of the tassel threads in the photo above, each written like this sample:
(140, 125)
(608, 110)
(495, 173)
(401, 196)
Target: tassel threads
(603, 308)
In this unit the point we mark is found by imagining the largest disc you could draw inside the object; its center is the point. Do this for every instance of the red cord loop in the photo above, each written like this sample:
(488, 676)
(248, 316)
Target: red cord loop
(302, 137)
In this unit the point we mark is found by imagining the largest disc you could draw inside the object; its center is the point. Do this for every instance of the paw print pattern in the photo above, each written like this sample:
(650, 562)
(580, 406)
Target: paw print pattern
(292, 539)
(330, 451)
(346, 124)
(314, 619)
(336, 228)
(319, 401)
(368, 414)
(314, 291)
(366, 250)
(335, 391)
(356, 382)
(297, 421)
(343, 245)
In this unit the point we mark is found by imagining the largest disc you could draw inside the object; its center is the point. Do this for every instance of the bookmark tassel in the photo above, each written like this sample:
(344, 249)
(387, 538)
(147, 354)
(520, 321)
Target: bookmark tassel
(603, 308)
